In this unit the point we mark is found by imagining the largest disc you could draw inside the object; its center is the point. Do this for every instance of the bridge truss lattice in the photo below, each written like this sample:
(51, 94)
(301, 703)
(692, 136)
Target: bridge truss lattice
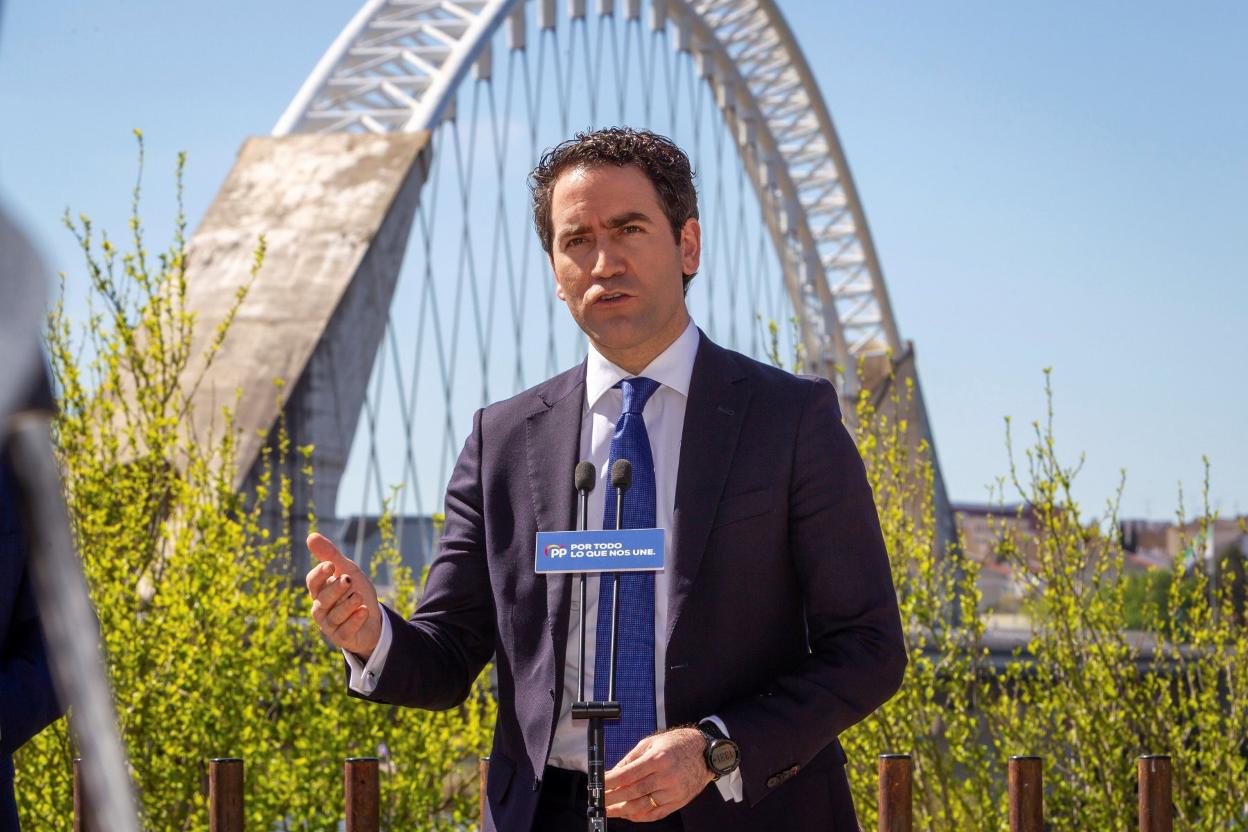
(495, 82)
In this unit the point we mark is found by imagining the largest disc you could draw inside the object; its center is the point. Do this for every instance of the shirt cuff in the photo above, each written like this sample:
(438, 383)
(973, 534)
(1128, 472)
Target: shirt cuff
(732, 787)
(364, 675)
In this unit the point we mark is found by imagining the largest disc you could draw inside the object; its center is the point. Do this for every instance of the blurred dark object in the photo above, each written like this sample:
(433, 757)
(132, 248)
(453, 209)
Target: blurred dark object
(28, 702)
(41, 579)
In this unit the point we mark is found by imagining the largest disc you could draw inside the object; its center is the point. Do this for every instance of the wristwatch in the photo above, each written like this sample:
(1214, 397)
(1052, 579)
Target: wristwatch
(722, 754)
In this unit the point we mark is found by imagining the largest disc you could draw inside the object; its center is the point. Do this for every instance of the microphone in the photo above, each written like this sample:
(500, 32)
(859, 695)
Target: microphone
(584, 478)
(621, 476)
(621, 479)
(596, 712)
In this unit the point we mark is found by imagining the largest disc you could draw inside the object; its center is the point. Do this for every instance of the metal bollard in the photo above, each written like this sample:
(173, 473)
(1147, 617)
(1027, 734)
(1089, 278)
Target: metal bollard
(483, 774)
(82, 809)
(225, 795)
(1026, 775)
(1156, 807)
(895, 803)
(362, 793)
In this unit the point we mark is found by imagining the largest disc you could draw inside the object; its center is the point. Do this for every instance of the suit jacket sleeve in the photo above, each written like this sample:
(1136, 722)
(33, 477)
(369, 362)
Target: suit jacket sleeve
(437, 654)
(856, 656)
(28, 703)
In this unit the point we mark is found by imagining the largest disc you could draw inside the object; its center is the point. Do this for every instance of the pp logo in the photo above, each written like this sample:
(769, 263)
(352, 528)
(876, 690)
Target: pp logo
(554, 550)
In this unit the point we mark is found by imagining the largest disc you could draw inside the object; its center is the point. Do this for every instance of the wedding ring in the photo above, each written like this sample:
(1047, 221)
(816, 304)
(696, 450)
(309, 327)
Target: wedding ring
(650, 797)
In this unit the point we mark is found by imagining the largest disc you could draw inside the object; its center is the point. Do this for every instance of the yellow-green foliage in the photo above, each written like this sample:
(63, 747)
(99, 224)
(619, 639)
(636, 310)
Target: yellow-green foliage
(209, 646)
(1080, 695)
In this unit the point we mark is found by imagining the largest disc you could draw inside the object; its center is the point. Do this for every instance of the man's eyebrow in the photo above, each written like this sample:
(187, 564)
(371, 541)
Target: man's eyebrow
(569, 230)
(626, 218)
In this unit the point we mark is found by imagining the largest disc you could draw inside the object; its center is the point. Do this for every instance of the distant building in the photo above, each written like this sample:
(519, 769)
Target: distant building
(999, 589)
(1186, 544)
(984, 530)
(1145, 544)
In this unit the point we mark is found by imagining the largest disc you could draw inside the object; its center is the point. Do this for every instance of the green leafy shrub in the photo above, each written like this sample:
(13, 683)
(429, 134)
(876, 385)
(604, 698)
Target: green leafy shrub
(1146, 595)
(210, 649)
(1084, 694)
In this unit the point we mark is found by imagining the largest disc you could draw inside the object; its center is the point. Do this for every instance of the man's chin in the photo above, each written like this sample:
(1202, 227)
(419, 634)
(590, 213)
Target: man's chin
(615, 333)
(615, 339)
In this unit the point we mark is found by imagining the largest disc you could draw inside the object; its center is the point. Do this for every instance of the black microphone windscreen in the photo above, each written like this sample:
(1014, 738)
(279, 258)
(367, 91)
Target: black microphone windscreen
(622, 474)
(585, 476)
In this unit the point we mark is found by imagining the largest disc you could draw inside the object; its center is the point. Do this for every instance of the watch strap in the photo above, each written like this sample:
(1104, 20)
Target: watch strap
(708, 727)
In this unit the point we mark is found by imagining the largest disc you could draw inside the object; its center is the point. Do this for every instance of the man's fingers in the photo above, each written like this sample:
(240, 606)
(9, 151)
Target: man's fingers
(350, 628)
(346, 605)
(317, 576)
(327, 600)
(667, 768)
(343, 598)
(641, 810)
(634, 766)
(323, 549)
(638, 789)
(332, 592)
(635, 752)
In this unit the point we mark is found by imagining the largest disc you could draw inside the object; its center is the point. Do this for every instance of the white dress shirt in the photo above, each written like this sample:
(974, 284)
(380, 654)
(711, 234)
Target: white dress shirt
(664, 416)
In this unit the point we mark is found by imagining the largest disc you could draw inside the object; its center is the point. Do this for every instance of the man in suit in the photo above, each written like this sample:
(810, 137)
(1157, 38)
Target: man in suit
(28, 702)
(774, 626)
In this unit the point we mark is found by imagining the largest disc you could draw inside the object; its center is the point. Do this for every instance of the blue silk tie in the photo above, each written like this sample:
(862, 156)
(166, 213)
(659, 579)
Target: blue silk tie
(634, 663)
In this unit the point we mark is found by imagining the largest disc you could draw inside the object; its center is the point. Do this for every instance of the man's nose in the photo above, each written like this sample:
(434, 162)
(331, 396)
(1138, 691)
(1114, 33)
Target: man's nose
(608, 262)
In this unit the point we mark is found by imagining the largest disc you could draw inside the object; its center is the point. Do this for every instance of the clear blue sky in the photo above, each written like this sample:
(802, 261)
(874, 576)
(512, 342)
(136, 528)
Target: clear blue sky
(1051, 184)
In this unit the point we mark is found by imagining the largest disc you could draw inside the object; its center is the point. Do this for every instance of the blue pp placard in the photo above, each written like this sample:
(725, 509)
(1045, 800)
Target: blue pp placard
(626, 550)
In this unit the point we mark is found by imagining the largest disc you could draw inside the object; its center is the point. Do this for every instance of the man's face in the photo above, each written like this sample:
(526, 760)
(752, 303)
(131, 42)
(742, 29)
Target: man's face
(616, 263)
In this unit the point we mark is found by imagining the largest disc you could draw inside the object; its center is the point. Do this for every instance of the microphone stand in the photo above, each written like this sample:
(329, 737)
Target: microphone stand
(598, 711)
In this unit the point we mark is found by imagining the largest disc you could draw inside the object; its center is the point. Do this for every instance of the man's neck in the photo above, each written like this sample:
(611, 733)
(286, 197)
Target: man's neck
(635, 360)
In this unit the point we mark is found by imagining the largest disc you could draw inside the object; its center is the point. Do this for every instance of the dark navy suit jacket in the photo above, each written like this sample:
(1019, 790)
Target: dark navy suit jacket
(27, 701)
(782, 615)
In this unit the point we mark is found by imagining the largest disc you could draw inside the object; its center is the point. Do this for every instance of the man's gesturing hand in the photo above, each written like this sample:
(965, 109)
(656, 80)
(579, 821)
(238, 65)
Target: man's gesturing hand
(662, 774)
(344, 602)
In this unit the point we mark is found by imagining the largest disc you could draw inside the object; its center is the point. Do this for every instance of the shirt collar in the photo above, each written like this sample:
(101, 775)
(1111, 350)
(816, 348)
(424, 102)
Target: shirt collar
(671, 368)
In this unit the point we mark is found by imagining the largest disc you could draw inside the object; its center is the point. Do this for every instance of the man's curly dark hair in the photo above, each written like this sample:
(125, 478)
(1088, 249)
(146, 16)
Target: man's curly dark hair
(664, 164)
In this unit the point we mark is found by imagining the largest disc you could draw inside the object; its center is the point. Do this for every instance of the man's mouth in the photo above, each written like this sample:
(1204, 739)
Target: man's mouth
(611, 297)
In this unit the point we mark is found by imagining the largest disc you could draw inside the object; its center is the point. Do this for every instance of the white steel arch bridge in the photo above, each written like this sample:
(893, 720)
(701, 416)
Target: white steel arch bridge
(404, 286)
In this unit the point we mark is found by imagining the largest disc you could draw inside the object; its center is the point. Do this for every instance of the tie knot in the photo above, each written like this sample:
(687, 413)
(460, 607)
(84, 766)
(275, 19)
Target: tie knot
(637, 392)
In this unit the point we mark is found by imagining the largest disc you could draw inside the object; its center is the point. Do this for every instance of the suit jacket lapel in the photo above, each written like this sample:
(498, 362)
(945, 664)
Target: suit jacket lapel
(718, 398)
(552, 442)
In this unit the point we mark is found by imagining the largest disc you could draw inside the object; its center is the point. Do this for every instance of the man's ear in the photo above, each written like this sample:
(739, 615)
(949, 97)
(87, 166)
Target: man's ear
(690, 246)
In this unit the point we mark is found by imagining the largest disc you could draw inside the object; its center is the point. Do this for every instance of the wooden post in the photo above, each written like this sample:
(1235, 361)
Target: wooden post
(1026, 794)
(894, 800)
(82, 809)
(225, 795)
(1155, 799)
(363, 794)
(483, 774)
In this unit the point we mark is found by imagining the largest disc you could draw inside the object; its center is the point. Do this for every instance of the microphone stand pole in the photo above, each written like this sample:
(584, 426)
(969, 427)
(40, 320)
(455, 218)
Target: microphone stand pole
(597, 711)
